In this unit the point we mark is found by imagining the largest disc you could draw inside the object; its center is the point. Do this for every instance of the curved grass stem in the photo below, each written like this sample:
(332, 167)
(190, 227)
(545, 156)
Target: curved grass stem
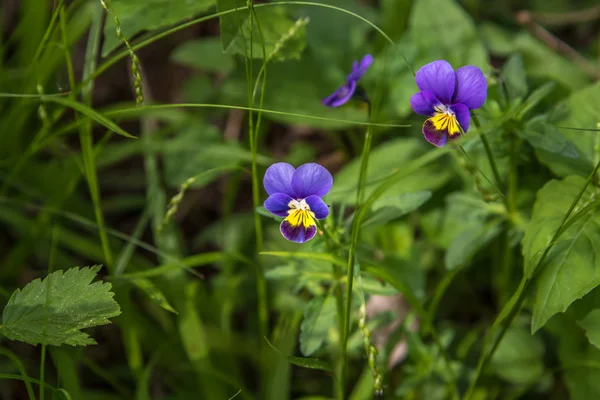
(364, 163)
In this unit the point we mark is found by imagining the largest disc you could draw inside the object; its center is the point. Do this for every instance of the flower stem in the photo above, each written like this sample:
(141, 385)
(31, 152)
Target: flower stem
(488, 151)
(364, 161)
(511, 203)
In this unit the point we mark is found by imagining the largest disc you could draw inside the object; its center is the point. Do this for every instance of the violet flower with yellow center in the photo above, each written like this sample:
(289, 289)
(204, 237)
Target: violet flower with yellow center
(350, 89)
(296, 195)
(447, 96)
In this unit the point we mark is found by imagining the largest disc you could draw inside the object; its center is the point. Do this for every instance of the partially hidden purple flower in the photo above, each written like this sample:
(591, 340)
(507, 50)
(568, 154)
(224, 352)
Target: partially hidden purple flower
(296, 195)
(345, 93)
(447, 96)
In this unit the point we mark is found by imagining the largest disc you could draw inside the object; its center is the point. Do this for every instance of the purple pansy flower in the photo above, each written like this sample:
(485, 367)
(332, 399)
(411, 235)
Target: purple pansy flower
(447, 97)
(345, 93)
(296, 194)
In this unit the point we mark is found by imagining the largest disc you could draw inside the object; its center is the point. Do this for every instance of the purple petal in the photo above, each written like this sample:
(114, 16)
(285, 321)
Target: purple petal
(358, 70)
(340, 96)
(278, 179)
(317, 206)
(297, 233)
(424, 102)
(278, 204)
(311, 179)
(437, 77)
(471, 87)
(463, 116)
(432, 135)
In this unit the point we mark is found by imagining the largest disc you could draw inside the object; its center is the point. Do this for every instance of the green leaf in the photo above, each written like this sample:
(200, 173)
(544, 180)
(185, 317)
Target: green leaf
(540, 61)
(473, 235)
(571, 268)
(553, 149)
(196, 151)
(584, 113)
(153, 293)
(591, 325)
(67, 301)
(519, 357)
(390, 208)
(310, 363)
(384, 161)
(61, 394)
(580, 361)
(535, 98)
(319, 318)
(513, 73)
(140, 15)
(89, 112)
(447, 32)
(205, 54)
(283, 37)
(396, 278)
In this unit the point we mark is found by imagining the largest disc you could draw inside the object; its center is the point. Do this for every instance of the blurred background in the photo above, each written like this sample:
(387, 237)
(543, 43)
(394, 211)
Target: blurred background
(76, 192)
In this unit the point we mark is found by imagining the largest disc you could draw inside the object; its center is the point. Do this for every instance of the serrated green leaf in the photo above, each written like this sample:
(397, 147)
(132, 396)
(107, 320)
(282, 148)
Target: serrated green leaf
(283, 38)
(591, 325)
(73, 303)
(319, 317)
(139, 15)
(572, 267)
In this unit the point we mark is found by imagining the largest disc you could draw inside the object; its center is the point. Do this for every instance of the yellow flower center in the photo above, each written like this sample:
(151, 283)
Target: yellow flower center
(445, 120)
(299, 214)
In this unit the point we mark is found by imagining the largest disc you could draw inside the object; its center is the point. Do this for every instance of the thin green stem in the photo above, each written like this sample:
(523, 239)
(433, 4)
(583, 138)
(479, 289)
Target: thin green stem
(85, 135)
(261, 282)
(364, 163)
(511, 203)
(21, 368)
(512, 307)
(51, 264)
(331, 243)
(488, 152)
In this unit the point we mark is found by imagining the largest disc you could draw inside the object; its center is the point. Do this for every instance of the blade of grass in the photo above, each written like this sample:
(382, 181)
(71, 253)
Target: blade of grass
(24, 377)
(89, 112)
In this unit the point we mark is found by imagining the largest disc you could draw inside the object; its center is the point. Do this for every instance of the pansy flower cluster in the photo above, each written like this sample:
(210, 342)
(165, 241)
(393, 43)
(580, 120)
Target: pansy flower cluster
(446, 96)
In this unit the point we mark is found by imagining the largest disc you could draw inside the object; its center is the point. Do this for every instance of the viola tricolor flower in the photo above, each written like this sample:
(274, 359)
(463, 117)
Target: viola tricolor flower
(345, 93)
(447, 97)
(296, 195)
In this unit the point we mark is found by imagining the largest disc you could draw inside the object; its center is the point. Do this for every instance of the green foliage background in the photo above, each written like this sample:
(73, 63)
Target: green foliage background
(135, 134)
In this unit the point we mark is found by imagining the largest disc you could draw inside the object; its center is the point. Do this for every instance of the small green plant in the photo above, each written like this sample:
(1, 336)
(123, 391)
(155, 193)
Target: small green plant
(55, 309)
